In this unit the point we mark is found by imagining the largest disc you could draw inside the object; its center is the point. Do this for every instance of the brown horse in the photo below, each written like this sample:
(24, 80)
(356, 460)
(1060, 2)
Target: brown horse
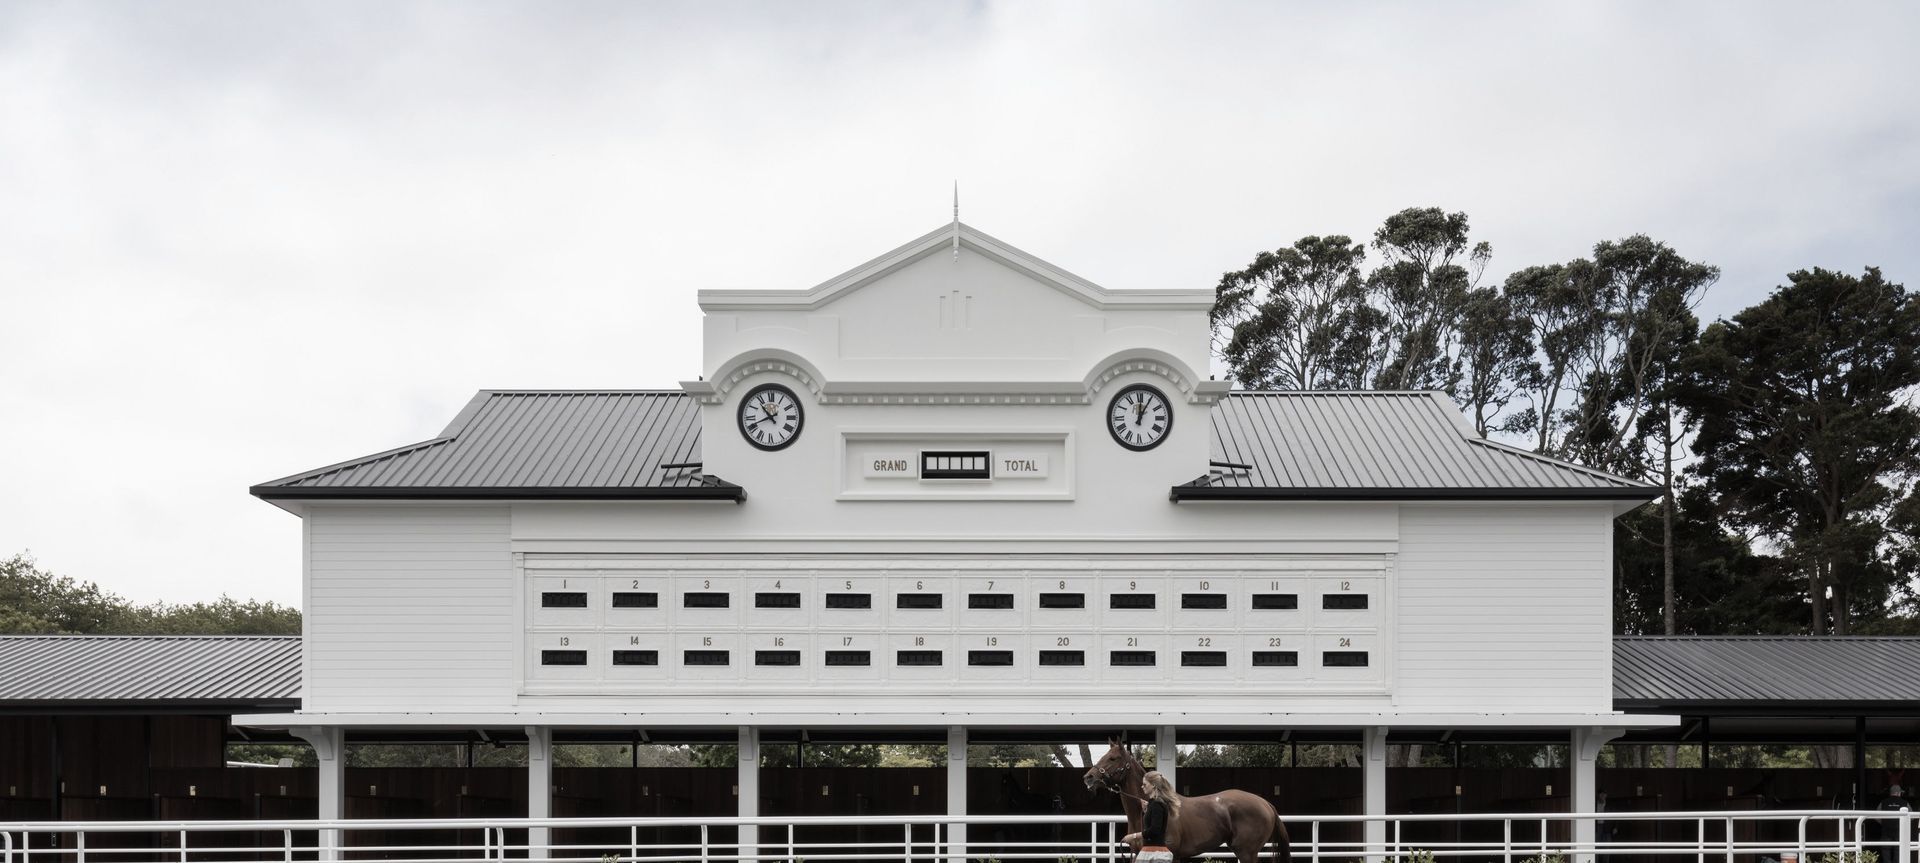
(1243, 822)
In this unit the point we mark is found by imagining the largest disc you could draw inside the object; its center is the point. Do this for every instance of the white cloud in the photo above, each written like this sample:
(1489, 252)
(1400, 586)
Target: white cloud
(239, 240)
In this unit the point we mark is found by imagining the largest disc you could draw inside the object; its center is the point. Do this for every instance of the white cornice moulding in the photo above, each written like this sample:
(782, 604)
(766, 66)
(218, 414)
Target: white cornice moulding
(940, 239)
(735, 371)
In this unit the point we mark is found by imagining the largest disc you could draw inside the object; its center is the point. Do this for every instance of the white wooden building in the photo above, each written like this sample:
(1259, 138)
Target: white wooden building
(956, 488)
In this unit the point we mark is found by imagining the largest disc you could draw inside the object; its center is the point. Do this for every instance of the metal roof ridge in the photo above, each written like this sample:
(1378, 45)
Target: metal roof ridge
(663, 391)
(1330, 392)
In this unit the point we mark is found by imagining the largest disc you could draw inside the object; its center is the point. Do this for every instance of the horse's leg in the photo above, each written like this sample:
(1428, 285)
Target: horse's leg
(1247, 848)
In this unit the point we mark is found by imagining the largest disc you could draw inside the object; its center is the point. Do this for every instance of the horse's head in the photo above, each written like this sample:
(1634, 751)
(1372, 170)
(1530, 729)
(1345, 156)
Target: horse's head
(1111, 771)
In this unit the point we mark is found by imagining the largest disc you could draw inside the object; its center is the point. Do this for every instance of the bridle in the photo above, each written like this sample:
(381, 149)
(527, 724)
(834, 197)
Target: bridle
(1107, 781)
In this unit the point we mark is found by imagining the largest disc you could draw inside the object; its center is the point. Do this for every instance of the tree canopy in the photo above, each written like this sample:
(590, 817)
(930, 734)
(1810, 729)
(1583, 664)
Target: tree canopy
(1784, 439)
(1809, 440)
(34, 601)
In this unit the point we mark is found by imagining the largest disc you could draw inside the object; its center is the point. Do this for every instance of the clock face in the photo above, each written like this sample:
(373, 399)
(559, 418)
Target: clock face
(770, 417)
(1139, 417)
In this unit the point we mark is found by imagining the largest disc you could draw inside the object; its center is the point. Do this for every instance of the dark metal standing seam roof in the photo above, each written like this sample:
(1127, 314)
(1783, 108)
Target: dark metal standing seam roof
(1669, 672)
(1377, 445)
(147, 671)
(1288, 446)
(536, 444)
(1650, 673)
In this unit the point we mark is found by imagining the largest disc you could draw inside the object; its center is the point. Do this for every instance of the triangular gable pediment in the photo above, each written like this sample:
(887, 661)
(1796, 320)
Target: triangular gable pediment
(948, 239)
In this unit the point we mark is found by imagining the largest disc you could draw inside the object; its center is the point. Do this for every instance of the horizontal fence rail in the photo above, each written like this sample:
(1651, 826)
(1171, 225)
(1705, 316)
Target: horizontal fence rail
(1777, 836)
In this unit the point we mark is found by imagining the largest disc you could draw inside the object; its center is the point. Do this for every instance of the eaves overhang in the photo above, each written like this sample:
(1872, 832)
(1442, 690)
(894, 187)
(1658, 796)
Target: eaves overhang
(719, 492)
(1196, 494)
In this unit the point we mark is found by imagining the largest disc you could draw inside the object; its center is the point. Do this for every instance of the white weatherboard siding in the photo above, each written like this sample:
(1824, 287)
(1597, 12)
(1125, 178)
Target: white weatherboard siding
(1505, 607)
(409, 608)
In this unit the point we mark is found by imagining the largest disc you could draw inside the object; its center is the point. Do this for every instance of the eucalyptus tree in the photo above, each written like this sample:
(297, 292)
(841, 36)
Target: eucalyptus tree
(1495, 362)
(1650, 292)
(1808, 434)
(1429, 269)
(1296, 318)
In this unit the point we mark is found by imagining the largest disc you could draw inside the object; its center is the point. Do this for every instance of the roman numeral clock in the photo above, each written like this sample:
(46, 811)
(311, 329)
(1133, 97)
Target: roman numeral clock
(1139, 417)
(770, 417)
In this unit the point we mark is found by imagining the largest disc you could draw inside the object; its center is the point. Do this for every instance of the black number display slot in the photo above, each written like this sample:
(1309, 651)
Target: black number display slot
(636, 600)
(1063, 600)
(555, 599)
(971, 464)
(1203, 658)
(1344, 659)
(636, 657)
(849, 600)
(1131, 658)
(1131, 600)
(990, 657)
(1275, 659)
(776, 600)
(1063, 657)
(776, 657)
(563, 657)
(705, 657)
(918, 600)
(917, 657)
(989, 600)
(708, 600)
(1275, 601)
(1203, 600)
(1343, 601)
(845, 658)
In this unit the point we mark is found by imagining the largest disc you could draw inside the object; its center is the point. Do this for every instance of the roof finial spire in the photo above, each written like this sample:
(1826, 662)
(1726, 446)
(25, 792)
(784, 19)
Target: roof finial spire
(956, 220)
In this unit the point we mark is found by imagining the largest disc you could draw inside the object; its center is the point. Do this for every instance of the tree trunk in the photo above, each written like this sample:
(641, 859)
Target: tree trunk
(1060, 755)
(1666, 524)
(1838, 607)
(1817, 593)
(1086, 756)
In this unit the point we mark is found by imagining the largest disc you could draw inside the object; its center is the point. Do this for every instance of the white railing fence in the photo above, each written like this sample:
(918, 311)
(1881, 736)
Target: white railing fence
(1807, 836)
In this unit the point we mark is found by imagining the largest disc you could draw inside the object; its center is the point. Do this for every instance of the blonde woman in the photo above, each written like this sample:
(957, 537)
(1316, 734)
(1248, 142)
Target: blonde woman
(1163, 806)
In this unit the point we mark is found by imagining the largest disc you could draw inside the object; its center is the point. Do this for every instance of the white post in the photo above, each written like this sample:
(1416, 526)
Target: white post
(748, 782)
(329, 749)
(1373, 758)
(1584, 796)
(957, 791)
(539, 788)
(1166, 754)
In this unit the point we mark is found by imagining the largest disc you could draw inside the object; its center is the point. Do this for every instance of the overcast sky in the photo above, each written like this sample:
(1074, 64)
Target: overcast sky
(242, 240)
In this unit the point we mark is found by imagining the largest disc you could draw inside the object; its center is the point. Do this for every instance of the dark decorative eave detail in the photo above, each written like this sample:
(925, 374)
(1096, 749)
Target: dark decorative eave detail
(1766, 707)
(1200, 490)
(145, 707)
(712, 489)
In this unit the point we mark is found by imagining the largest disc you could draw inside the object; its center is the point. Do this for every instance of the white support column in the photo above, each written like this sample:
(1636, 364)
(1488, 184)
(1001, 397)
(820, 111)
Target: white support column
(957, 791)
(1166, 753)
(1373, 760)
(1584, 796)
(748, 783)
(539, 788)
(329, 749)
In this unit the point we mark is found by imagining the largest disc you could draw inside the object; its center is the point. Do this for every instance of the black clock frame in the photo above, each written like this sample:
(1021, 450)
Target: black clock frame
(799, 417)
(1107, 419)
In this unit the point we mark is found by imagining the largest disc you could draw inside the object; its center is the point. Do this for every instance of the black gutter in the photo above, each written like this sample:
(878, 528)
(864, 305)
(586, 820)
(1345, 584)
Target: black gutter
(726, 492)
(145, 707)
(1185, 493)
(1761, 708)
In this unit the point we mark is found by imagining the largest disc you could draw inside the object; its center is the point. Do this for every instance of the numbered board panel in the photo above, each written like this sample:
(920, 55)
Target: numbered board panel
(779, 625)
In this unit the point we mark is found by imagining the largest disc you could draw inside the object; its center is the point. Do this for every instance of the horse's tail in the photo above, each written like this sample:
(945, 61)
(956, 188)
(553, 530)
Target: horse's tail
(1283, 846)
